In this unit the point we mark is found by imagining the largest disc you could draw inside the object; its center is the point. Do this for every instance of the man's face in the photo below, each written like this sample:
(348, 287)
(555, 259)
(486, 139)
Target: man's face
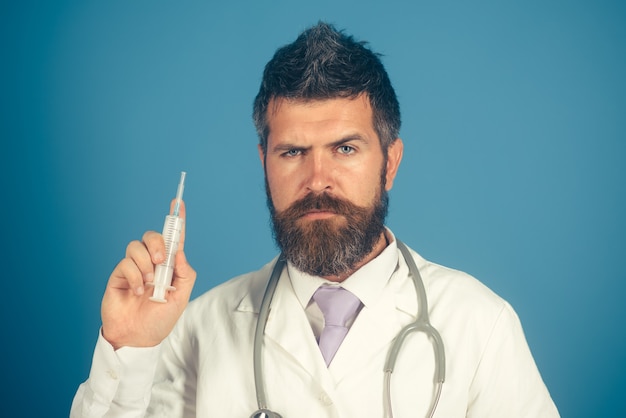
(327, 179)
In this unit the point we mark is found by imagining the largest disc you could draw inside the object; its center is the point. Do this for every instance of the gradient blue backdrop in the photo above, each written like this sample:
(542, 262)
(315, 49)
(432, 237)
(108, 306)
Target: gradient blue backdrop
(514, 122)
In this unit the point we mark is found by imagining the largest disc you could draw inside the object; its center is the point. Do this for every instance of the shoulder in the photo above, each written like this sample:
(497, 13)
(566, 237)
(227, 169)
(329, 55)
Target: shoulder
(457, 293)
(243, 292)
(468, 314)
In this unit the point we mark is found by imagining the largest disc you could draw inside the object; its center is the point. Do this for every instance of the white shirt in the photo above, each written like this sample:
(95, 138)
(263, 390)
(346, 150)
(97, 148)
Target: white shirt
(204, 368)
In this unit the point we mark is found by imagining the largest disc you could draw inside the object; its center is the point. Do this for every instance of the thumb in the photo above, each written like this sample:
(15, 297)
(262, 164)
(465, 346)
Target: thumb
(184, 276)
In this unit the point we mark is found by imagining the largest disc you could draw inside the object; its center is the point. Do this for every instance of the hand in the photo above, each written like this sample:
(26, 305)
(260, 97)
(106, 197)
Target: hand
(129, 318)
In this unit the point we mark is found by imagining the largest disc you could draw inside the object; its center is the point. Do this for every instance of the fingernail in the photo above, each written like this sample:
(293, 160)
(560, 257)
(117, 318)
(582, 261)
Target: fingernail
(150, 277)
(158, 257)
(139, 290)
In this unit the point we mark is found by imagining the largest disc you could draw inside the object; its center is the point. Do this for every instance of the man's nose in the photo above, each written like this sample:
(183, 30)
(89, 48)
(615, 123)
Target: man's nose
(319, 173)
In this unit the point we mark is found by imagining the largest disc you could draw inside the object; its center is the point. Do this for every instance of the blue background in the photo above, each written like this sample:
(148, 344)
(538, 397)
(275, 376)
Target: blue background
(514, 122)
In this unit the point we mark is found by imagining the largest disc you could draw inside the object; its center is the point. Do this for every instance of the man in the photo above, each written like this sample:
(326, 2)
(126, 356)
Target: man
(328, 122)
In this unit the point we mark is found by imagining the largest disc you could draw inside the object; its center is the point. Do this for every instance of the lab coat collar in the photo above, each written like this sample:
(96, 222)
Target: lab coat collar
(257, 283)
(366, 283)
(372, 331)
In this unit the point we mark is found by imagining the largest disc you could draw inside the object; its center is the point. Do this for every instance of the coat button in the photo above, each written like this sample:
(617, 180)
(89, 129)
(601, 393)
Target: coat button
(325, 399)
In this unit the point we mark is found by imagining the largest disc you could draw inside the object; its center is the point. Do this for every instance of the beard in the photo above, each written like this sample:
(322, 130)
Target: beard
(328, 247)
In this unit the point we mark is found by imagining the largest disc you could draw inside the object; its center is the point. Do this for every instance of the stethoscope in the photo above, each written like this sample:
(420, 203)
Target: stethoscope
(421, 324)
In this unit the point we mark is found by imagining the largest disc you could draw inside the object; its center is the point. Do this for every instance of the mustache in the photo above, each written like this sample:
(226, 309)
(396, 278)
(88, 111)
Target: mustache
(320, 202)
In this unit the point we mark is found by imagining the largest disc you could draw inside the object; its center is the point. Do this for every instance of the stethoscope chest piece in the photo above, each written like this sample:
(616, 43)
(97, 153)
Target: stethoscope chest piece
(265, 413)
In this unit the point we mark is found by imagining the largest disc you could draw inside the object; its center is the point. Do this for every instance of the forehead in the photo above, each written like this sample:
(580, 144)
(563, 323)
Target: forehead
(333, 116)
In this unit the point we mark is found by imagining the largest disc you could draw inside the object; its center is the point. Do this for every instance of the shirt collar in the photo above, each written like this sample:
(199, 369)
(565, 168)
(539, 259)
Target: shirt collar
(366, 283)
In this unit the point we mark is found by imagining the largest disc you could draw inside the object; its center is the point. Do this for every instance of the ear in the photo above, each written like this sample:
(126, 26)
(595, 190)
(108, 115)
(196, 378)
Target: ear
(394, 156)
(261, 155)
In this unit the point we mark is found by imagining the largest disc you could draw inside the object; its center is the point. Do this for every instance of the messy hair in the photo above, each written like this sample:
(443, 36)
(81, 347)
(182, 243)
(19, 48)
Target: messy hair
(324, 63)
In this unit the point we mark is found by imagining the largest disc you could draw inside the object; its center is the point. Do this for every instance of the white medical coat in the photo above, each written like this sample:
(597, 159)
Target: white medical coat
(205, 366)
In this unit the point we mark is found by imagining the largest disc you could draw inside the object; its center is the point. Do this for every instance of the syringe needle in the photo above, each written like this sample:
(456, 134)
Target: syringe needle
(179, 192)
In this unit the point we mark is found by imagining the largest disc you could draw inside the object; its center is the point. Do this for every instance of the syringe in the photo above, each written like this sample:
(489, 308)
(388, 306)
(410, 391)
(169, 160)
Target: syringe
(171, 234)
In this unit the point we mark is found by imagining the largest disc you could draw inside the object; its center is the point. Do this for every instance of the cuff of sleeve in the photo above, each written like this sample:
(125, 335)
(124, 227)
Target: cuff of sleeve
(123, 374)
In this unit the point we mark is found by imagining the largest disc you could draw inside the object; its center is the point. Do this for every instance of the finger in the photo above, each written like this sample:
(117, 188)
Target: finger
(140, 254)
(184, 276)
(182, 212)
(127, 275)
(155, 245)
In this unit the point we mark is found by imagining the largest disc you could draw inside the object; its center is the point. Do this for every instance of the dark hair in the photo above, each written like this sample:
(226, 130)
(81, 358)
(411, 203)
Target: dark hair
(324, 63)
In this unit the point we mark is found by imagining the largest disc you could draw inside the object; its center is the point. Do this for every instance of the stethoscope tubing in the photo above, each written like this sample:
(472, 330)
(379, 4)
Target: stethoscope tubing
(264, 312)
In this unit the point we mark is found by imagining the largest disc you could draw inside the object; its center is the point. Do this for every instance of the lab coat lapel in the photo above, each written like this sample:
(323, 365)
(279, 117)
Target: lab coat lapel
(289, 329)
(376, 327)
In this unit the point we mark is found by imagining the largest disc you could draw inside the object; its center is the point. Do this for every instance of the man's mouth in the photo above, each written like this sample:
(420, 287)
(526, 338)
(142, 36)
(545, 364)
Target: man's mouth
(318, 214)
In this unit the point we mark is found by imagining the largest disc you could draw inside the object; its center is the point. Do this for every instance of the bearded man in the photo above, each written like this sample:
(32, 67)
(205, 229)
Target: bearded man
(272, 341)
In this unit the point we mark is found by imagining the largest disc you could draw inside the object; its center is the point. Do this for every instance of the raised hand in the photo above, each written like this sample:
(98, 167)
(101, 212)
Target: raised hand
(129, 318)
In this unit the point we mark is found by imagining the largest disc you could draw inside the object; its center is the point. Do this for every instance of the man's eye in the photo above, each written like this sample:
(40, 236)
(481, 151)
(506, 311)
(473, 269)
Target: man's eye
(346, 149)
(292, 152)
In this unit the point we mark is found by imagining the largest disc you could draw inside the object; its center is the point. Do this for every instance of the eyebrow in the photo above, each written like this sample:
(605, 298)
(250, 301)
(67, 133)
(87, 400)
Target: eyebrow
(348, 138)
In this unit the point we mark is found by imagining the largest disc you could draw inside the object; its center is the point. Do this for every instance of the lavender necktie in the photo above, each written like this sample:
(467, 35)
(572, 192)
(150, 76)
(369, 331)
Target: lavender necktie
(338, 306)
